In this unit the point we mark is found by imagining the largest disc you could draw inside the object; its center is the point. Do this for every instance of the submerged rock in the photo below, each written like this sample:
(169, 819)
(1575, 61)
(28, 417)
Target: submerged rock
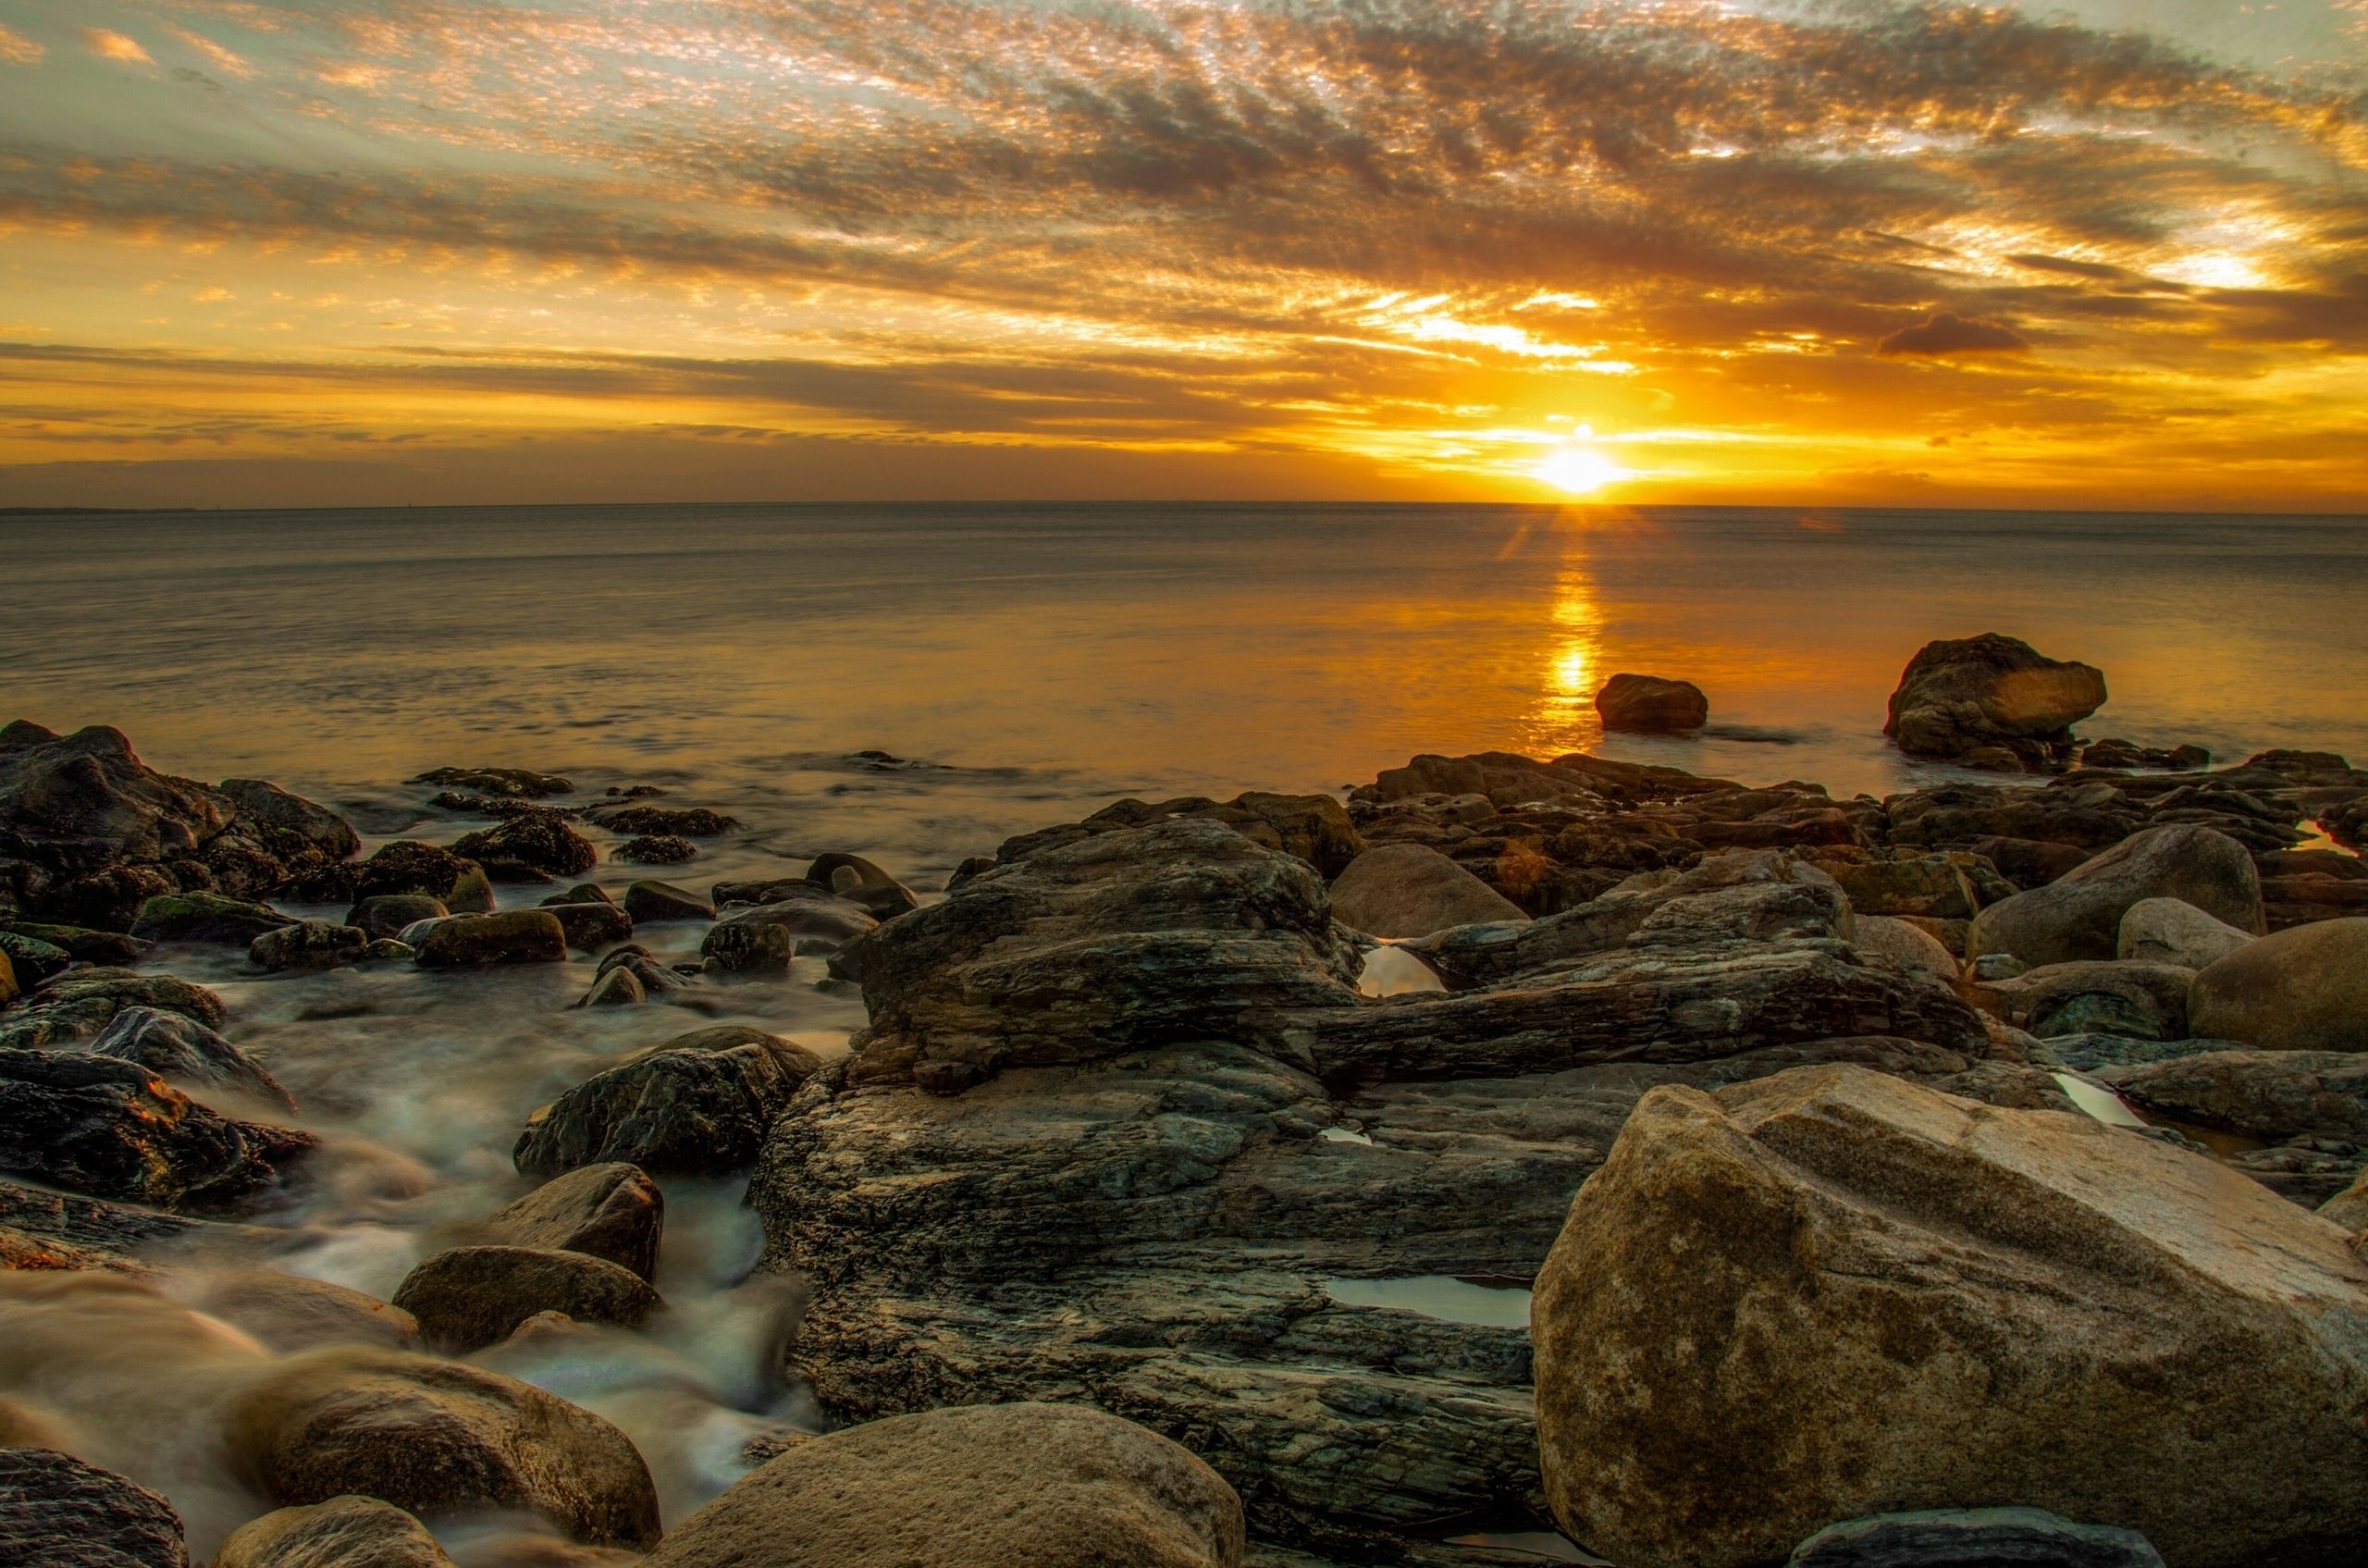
(385, 914)
(1010, 1486)
(661, 822)
(2078, 916)
(747, 947)
(1960, 696)
(288, 1313)
(345, 1531)
(2303, 989)
(696, 1106)
(611, 1211)
(1396, 890)
(56, 1512)
(1650, 705)
(114, 1130)
(467, 1298)
(1813, 1277)
(807, 913)
(434, 1436)
(656, 849)
(664, 901)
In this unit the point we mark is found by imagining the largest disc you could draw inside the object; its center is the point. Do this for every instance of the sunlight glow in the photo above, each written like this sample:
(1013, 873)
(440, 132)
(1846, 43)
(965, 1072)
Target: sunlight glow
(1577, 471)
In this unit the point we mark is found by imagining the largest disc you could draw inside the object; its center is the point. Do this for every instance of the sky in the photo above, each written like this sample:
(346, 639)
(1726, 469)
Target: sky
(266, 252)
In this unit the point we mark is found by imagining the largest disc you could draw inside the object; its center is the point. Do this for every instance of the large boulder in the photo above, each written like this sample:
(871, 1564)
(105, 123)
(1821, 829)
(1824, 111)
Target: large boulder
(1958, 696)
(2302, 989)
(696, 1106)
(467, 1298)
(2079, 915)
(78, 803)
(1868, 1296)
(114, 1130)
(611, 1211)
(1650, 705)
(56, 1512)
(1396, 890)
(435, 1436)
(506, 936)
(345, 1531)
(1011, 1486)
(2172, 931)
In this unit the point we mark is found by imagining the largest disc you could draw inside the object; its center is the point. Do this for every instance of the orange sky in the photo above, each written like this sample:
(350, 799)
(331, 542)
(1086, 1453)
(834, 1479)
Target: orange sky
(357, 251)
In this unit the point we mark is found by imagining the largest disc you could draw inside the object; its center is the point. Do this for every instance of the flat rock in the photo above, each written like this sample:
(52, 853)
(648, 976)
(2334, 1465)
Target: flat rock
(611, 1211)
(1871, 1260)
(2078, 916)
(56, 1512)
(345, 1531)
(434, 1436)
(2302, 989)
(1397, 890)
(1009, 1486)
(467, 1298)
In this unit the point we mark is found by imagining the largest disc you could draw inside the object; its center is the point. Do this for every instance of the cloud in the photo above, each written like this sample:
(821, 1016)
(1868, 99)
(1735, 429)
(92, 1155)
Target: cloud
(15, 49)
(1945, 332)
(114, 46)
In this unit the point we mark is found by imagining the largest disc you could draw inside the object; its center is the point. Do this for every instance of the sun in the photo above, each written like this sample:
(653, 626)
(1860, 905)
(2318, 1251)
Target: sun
(1577, 471)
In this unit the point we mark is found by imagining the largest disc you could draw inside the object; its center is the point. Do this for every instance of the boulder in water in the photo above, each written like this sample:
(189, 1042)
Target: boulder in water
(1991, 692)
(276, 811)
(696, 1106)
(308, 945)
(289, 1313)
(664, 901)
(859, 881)
(1867, 1295)
(345, 1531)
(515, 784)
(178, 1046)
(467, 1298)
(385, 914)
(1650, 705)
(611, 1211)
(114, 1130)
(506, 936)
(592, 924)
(754, 948)
(205, 917)
(541, 840)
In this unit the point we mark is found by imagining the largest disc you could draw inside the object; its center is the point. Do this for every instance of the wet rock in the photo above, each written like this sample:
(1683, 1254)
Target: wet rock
(656, 978)
(287, 1313)
(1397, 890)
(404, 866)
(1956, 697)
(805, 912)
(863, 884)
(2089, 1052)
(178, 1046)
(2303, 989)
(80, 1003)
(2277, 1096)
(468, 1298)
(24, 1252)
(592, 926)
(1964, 1537)
(517, 784)
(91, 1224)
(434, 1436)
(385, 914)
(662, 821)
(2171, 930)
(345, 1531)
(274, 810)
(1649, 705)
(30, 961)
(9, 990)
(656, 849)
(387, 950)
(751, 948)
(1507, 778)
(56, 1512)
(541, 840)
(581, 893)
(113, 1130)
(696, 1106)
(664, 901)
(205, 917)
(506, 936)
(1864, 1254)
(2140, 1001)
(2078, 916)
(1315, 828)
(619, 987)
(308, 945)
(2127, 755)
(1896, 944)
(111, 899)
(611, 1211)
(78, 803)
(80, 943)
(1014, 1486)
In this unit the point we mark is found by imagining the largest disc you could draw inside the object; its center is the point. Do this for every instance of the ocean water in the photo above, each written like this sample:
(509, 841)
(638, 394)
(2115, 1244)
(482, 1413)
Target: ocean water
(1022, 665)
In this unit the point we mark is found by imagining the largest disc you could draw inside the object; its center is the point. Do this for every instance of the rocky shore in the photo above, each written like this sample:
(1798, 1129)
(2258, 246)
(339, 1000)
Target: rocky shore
(1519, 1155)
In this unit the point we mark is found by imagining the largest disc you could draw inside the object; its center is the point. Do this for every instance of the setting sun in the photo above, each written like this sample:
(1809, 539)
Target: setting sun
(1577, 471)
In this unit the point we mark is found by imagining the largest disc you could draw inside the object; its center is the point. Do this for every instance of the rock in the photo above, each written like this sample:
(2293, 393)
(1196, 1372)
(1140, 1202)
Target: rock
(2127, 755)
(2171, 930)
(2277, 1096)
(2303, 989)
(468, 1298)
(662, 821)
(696, 1106)
(205, 917)
(1649, 705)
(1869, 1260)
(859, 881)
(1012, 1485)
(1896, 944)
(1950, 884)
(111, 899)
(23, 1252)
(30, 960)
(1315, 828)
(619, 987)
(507, 936)
(90, 1225)
(664, 901)
(656, 849)
(112, 1129)
(2348, 1209)
(436, 1435)
(1974, 1538)
(287, 1313)
(1397, 890)
(80, 944)
(385, 914)
(78, 803)
(2078, 916)
(582, 893)
(1957, 696)
(541, 840)
(747, 947)
(177, 1046)
(56, 1512)
(2134, 1000)
(345, 1531)
(9, 990)
(275, 811)
(805, 911)
(408, 866)
(308, 945)
(611, 1211)
(387, 950)
(517, 784)
(80, 1003)
(592, 926)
